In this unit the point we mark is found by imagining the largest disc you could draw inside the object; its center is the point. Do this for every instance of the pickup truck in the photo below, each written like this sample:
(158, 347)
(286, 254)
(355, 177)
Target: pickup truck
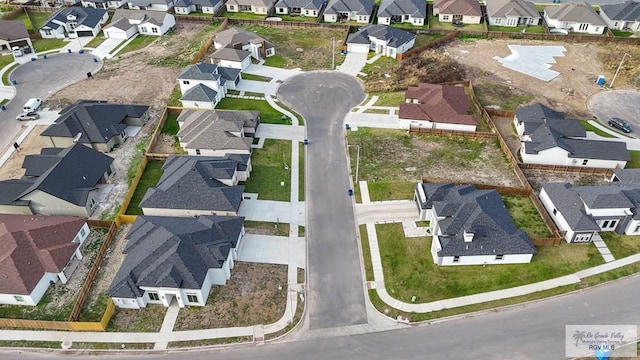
(28, 116)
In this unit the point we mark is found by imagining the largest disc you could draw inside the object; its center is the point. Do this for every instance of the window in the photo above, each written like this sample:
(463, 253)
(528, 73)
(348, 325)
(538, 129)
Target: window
(497, 21)
(197, 151)
(185, 82)
(637, 228)
(82, 232)
(18, 298)
(154, 30)
(143, 29)
(605, 224)
(445, 17)
(456, 259)
(192, 298)
(585, 161)
(499, 257)
(555, 211)
(153, 296)
(47, 32)
(92, 203)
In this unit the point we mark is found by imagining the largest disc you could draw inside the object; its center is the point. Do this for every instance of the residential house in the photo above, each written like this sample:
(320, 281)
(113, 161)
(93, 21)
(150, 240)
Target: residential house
(259, 7)
(195, 185)
(625, 175)
(103, 4)
(204, 85)
(302, 8)
(575, 17)
(359, 11)
(433, 106)
(99, 124)
(126, 23)
(622, 16)
(548, 138)
(512, 13)
(37, 252)
(381, 39)
(57, 182)
(412, 12)
(13, 33)
(153, 5)
(466, 11)
(232, 58)
(470, 226)
(176, 259)
(217, 132)
(199, 6)
(581, 212)
(240, 39)
(73, 22)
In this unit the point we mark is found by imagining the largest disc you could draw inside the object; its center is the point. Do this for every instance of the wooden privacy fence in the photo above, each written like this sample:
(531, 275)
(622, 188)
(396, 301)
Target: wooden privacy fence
(62, 325)
(132, 187)
(500, 113)
(506, 190)
(459, 133)
(571, 169)
(207, 44)
(533, 36)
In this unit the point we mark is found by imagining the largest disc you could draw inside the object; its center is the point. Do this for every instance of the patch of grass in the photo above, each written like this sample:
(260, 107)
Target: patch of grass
(424, 223)
(294, 18)
(31, 344)
(25, 18)
(376, 111)
(174, 97)
(148, 319)
(247, 76)
(171, 126)
(5, 76)
(366, 253)
(271, 166)
(96, 41)
(255, 141)
(4, 101)
(389, 98)
(308, 49)
(268, 115)
(291, 324)
(267, 228)
(503, 96)
(301, 168)
(434, 23)
(298, 116)
(233, 92)
(242, 15)
(595, 130)
(409, 269)
(621, 33)
(111, 214)
(621, 245)
(137, 158)
(525, 215)
(111, 346)
(150, 176)
(140, 42)
(424, 39)
(634, 163)
(211, 342)
(391, 190)
(537, 29)
(41, 45)
(383, 63)
(275, 61)
(48, 309)
(39, 19)
(5, 60)
(93, 312)
(254, 94)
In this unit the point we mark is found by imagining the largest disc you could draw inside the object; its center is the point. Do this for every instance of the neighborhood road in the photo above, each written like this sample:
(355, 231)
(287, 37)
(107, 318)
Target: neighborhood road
(335, 290)
(532, 331)
(616, 103)
(39, 79)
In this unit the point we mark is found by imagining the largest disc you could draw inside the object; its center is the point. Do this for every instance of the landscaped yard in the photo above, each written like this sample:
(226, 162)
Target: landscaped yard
(271, 167)
(268, 115)
(40, 45)
(621, 245)
(434, 23)
(39, 19)
(525, 215)
(150, 176)
(297, 18)
(242, 15)
(634, 163)
(409, 269)
(5, 60)
(537, 29)
(147, 319)
(595, 130)
(275, 61)
(394, 98)
(391, 190)
(255, 294)
(621, 33)
(308, 49)
(96, 41)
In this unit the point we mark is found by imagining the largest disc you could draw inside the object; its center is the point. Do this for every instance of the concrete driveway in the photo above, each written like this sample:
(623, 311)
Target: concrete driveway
(353, 63)
(268, 249)
(336, 288)
(40, 79)
(617, 103)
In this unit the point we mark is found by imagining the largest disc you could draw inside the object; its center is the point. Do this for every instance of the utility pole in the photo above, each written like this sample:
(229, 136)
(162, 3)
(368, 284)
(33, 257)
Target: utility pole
(333, 53)
(618, 70)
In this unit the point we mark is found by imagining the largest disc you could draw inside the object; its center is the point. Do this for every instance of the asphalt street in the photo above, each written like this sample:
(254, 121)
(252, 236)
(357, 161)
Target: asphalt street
(39, 79)
(617, 103)
(532, 331)
(335, 290)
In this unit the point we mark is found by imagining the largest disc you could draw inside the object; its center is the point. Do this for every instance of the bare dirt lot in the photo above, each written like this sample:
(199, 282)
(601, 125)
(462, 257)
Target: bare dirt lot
(567, 93)
(12, 168)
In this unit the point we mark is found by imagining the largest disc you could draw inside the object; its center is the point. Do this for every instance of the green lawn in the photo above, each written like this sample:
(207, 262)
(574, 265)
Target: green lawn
(538, 29)
(621, 245)
(301, 168)
(391, 190)
(5, 60)
(96, 41)
(409, 26)
(621, 33)
(383, 63)
(150, 176)
(171, 126)
(141, 41)
(269, 228)
(634, 163)
(271, 166)
(27, 23)
(242, 15)
(525, 215)
(291, 18)
(39, 19)
(41, 45)
(268, 115)
(434, 23)
(424, 39)
(275, 61)
(47, 309)
(389, 98)
(409, 268)
(246, 76)
(595, 130)
(174, 97)
(5, 76)
(366, 253)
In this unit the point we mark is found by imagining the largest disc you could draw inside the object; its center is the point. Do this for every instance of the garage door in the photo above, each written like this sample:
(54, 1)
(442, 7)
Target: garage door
(85, 33)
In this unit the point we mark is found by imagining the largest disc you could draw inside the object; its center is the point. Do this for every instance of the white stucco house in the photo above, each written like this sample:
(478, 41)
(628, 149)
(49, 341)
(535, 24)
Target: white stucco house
(74, 22)
(176, 259)
(126, 23)
(37, 253)
(412, 12)
(512, 13)
(470, 226)
(185, 7)
(302, 8)
(550, 139)
(575, 17)
(203, 85)
(623, 16)
(260, 7)
(381, 39)
(359, 11)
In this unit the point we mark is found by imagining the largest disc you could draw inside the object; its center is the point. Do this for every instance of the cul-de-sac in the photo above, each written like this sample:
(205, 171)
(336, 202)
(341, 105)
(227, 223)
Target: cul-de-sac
(319, 179)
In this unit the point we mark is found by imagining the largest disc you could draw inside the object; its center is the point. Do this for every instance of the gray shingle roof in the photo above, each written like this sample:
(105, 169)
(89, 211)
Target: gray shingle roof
(187, 3)
(302, 4)
(574, 12)
(145, 3)
(229, 37)
(139, 16)
(361, 7)
(97, 121)
(77, 173)
(84, 16)
(415, 8)
(38, 164)
(214, 129)
(174, 252)
(13, 30)
(481, 212)
(230, 54)
(192, 183)
(569, 204)
(626, 11)
(10, 191)
(512, 8)
(200, 92)
(200, 71)
(631, 176)
(394, 36)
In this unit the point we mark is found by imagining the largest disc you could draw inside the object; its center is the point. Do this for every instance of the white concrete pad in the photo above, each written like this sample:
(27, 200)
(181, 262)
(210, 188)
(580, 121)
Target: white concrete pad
(260, 87)
(281, 132)
(270, 211)
(353, 63)
(383, 121)
(534, 61)
(272, 250)
(103, 50)
(272, 72)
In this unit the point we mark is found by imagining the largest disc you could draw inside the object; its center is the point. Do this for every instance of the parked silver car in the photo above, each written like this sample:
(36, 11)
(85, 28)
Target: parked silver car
(28, 116)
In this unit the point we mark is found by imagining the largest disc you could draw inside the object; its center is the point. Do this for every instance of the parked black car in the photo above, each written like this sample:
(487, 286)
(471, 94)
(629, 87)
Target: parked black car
(620, 124)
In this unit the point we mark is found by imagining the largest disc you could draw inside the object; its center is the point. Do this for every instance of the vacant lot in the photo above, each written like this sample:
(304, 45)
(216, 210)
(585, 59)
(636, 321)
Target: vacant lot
(255, 294)
(32, 144)
(525, 215)
(394, 155)
(538, 178)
